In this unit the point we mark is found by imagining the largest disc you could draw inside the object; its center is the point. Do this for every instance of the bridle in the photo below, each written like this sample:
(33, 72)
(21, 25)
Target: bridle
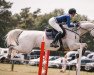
(78, 29)
(86, 29)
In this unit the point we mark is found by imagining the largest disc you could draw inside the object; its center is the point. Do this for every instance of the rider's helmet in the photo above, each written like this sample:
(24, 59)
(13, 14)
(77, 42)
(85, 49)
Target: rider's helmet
(72, 11)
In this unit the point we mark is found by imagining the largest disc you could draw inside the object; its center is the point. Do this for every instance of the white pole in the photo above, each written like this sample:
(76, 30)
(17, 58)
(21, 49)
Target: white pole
(79, 59)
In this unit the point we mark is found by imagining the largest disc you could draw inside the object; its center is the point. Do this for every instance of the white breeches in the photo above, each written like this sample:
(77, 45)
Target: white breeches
(55, 25)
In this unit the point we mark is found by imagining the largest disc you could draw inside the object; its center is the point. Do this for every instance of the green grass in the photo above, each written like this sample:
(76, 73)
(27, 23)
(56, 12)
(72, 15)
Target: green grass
(5, 69)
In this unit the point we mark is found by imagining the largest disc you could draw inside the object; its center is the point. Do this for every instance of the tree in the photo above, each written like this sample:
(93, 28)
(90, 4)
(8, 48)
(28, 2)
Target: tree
(41, 21)
(5, 19)
(26, 19)
(35, 13)
(79, 18)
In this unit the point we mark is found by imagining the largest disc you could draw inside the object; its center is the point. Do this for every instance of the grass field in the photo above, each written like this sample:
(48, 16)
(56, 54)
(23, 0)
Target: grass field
(5, 69)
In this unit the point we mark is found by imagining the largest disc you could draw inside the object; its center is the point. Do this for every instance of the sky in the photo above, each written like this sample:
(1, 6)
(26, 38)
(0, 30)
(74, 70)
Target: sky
(83, 7)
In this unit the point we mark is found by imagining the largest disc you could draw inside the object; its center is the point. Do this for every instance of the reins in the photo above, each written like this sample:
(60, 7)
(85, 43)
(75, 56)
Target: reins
(78, 29)
(72, 31)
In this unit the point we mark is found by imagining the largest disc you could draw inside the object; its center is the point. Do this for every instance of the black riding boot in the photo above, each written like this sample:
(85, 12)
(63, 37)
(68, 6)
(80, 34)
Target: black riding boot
(57, 37)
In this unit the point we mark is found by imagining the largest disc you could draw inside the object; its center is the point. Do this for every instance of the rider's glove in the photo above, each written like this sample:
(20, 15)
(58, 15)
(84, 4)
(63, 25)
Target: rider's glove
(76, 24)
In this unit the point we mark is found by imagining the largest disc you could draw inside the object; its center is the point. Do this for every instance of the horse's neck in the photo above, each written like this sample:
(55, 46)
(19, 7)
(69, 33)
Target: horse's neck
(86, 27)
(74, 30)
(81, 31)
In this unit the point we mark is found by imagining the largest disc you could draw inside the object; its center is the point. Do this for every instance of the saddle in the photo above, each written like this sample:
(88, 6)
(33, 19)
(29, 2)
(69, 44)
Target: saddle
(51, 33)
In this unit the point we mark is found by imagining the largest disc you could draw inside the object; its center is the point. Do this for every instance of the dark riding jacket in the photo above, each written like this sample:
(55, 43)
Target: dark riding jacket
(64, 18)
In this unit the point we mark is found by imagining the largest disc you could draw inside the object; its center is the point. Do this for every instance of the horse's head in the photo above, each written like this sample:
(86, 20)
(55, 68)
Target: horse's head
(87, 26)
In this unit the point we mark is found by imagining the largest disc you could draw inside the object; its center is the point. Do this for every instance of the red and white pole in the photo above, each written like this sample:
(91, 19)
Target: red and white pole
(43, 70)
(41, 57)
(47, 53)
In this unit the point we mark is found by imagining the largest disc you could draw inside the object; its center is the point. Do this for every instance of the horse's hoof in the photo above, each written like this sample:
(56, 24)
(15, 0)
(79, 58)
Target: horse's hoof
(54, 45)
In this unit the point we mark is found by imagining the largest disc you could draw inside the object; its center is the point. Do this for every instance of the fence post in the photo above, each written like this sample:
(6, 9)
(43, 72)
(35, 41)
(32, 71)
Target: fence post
(41, 57)
(79, 60)
(43, 66)
(12, 66)
(47, 53)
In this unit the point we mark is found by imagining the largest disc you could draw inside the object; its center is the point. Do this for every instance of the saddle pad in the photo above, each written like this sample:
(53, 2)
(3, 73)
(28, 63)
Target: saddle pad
(50, 33)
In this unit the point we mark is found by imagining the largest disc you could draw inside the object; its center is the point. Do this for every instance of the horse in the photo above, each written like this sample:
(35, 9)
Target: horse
(23, 41)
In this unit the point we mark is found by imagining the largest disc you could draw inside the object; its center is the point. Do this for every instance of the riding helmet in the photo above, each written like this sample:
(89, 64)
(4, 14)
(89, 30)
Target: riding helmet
(72, 11)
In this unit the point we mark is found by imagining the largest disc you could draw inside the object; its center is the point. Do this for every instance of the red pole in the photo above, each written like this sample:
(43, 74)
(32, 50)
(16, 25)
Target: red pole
(41, 57)
(47, 53)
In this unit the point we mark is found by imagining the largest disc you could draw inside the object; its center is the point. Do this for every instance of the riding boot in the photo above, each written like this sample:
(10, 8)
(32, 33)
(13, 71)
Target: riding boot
(57, 37)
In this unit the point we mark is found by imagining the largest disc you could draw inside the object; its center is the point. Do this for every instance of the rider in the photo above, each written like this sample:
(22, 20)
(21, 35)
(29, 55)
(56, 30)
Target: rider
(56, 21)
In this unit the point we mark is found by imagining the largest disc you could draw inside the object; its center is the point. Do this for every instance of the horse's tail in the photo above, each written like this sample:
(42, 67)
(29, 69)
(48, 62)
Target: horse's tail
(12, 36)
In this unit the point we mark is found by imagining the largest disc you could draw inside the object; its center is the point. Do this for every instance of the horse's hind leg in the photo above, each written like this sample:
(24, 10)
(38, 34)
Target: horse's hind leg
(12, 52)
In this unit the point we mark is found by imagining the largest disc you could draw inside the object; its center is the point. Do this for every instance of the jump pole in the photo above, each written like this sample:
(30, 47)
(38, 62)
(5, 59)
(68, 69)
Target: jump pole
(79, 60)
(45, 64)
(46, 57)
(41, 57)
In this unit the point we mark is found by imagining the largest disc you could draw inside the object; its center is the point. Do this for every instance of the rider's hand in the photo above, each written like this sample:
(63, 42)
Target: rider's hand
(77, 24)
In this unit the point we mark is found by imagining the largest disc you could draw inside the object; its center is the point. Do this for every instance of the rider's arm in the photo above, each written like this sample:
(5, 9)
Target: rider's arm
(68, 22)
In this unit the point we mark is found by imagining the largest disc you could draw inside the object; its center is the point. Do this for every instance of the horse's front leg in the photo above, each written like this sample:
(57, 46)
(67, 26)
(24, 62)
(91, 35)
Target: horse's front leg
(79, 47)
(76, 46)
(78, 65)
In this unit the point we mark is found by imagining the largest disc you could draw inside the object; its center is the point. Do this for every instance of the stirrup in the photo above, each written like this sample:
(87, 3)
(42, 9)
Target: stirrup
(54, 45)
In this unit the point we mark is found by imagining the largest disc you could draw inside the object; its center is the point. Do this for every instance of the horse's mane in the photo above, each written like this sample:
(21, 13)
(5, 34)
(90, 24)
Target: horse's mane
(86, 22)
